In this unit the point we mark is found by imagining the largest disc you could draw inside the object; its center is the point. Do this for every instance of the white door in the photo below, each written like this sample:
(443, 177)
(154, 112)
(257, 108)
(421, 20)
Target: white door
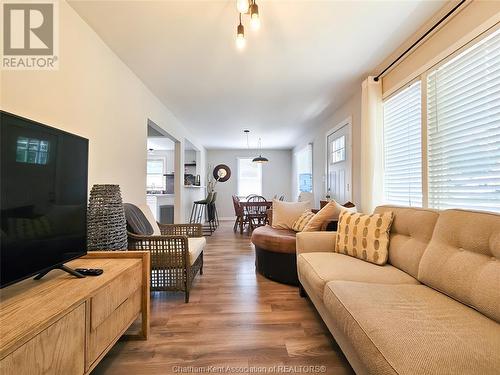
(339, 167)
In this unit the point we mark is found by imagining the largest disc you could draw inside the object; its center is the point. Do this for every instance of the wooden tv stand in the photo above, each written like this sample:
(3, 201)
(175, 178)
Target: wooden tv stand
(65, 325)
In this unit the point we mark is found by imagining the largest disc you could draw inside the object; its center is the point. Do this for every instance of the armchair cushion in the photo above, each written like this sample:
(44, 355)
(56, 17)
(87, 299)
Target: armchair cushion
(137, 222)
(195, 246)
(151, 219)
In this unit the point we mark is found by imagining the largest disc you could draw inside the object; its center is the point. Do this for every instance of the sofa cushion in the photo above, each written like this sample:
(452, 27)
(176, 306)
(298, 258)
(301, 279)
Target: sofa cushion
(195, 245)
(412, 329)
(410, 234)
(317, 269)
(364, 237)
(329, 212)
(314, 242)
(271, 239)
(302, 221)
(463, 259)
(287, 213)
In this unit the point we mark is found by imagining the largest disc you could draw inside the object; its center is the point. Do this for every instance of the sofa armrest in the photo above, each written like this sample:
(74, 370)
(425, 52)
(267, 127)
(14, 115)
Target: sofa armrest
(312, 242)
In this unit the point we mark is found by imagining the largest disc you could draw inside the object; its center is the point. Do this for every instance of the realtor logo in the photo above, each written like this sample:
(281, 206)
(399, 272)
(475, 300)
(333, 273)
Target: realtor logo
(29, 35)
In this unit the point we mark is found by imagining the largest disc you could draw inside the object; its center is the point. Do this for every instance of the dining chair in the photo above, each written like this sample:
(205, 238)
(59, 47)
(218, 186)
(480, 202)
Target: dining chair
(239, 213)
(256, 215)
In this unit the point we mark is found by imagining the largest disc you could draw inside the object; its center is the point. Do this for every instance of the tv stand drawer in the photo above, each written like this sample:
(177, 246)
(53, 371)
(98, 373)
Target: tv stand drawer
(59, 349)
(111, 329)
(107, 300)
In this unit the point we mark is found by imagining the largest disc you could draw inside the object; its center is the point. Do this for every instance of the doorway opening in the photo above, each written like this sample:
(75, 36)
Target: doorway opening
(161, 164)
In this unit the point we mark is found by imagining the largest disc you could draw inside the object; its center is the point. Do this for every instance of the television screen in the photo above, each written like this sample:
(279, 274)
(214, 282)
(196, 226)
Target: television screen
(43, 197)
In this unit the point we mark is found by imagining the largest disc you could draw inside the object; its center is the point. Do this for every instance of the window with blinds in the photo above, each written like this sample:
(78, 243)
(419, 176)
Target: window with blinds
(303, 167)
(249, 177)
(403, 148)
(463, 119)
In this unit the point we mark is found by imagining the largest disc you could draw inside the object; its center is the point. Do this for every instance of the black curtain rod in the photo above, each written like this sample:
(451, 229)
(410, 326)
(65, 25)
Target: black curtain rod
(421, 38)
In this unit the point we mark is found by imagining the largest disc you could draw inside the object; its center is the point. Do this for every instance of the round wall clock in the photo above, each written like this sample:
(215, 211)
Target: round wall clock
(222, 173)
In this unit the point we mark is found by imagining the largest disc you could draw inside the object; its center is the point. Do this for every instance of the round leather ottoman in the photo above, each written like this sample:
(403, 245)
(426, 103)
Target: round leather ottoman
(275, 255)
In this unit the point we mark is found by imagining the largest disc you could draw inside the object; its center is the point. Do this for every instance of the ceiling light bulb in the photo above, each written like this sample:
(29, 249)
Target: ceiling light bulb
(240, 37)
(255, 22)
(240, 41)
(242, 6)
(254, 16)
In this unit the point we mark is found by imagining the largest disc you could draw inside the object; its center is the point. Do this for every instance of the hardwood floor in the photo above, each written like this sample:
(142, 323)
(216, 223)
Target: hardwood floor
(235, 318)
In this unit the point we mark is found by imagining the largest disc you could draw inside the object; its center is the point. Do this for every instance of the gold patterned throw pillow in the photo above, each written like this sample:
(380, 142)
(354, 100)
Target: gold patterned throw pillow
(364, 236)
(302, 221)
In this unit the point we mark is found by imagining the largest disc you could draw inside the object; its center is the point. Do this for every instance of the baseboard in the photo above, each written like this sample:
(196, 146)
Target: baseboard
(227, 218)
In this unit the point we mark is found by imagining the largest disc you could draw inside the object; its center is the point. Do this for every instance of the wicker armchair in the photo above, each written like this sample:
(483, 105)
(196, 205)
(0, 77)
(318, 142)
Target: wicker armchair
(172, 265)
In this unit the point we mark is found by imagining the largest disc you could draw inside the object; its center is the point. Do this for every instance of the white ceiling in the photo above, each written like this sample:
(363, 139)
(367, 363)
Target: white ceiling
(160, 144)
(306, 60)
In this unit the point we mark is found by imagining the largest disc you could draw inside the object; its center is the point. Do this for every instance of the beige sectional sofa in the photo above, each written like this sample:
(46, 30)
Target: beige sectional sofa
(433, 309)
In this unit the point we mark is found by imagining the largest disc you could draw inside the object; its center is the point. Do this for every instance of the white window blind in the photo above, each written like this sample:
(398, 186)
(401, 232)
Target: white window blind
(403, 148)
(303, 165)
(249, 177)
(463, 116)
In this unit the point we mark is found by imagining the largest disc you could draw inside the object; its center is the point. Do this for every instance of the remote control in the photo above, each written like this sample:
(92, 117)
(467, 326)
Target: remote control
(89, 271)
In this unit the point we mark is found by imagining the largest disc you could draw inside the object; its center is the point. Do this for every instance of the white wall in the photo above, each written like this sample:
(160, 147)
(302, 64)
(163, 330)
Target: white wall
(94, 94)
(276, 175)
(351, 108)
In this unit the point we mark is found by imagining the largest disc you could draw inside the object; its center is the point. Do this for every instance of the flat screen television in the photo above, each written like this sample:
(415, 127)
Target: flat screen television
(43, 198)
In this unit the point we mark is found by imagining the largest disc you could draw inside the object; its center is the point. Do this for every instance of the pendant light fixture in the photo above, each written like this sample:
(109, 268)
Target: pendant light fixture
(246, 133)
(254, 16)
(260, 159)
(240, 36)
(251, 8)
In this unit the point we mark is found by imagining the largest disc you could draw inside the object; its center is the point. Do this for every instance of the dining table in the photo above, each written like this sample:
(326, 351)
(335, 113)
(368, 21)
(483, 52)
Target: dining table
(255, 212)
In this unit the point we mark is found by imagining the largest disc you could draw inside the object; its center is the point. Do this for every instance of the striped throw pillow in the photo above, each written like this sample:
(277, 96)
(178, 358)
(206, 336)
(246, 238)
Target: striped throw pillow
(302, 221)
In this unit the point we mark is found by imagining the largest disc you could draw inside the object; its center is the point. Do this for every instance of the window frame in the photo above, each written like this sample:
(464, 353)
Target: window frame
(423, 78)
(238, 183)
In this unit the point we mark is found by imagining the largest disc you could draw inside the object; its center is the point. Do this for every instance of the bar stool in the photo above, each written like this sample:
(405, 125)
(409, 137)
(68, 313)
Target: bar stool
(199, 210)
(213, 215)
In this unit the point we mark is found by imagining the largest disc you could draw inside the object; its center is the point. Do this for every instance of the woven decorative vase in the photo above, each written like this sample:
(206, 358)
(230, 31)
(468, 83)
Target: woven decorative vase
(106, 226)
